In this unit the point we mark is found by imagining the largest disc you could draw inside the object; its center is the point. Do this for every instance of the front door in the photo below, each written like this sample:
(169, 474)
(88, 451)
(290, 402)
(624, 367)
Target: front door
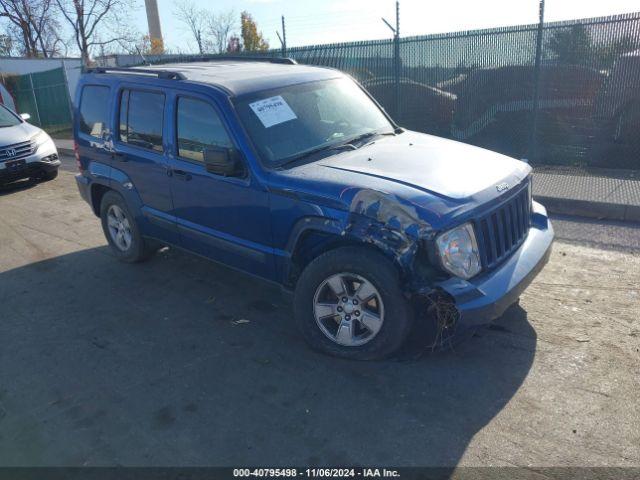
(224, 218)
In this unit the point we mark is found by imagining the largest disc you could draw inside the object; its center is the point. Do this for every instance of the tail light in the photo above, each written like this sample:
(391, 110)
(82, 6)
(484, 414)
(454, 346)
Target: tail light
(76, 152)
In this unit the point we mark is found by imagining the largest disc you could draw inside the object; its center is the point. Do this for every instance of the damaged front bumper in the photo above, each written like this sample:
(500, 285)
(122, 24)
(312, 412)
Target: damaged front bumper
(486, 297)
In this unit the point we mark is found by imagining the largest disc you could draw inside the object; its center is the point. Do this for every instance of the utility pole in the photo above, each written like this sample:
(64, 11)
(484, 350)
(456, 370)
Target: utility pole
(536, 86)
(153, 21)
(283, 38)
(396, 59)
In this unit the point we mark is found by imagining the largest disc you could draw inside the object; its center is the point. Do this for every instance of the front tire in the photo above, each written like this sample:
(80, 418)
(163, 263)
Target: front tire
(121, 230)
(349, 303)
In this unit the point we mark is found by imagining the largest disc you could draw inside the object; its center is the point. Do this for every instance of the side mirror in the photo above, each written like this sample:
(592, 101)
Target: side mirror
(25, 116)
(223, 161)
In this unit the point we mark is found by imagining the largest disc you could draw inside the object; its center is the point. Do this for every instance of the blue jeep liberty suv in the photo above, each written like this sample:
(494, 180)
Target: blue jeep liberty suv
(296, 175)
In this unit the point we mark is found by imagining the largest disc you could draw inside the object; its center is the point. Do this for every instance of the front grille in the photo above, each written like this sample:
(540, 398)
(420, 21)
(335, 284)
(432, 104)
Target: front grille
(503, 230)
(17, 151)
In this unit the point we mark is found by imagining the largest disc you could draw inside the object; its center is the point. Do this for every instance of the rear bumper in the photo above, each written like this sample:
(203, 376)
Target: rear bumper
(485, 298)
(84, 187)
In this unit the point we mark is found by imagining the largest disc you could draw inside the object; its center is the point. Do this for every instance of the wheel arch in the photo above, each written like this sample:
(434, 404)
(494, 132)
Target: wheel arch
(98, 191)
(316, 236)
(121, 184)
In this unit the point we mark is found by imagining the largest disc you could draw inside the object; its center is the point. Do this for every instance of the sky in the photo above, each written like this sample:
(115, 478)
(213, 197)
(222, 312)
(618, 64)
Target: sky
(311, 22)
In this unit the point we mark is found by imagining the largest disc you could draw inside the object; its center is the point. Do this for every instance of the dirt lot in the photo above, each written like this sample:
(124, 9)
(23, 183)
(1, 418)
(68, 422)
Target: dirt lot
(183, 362)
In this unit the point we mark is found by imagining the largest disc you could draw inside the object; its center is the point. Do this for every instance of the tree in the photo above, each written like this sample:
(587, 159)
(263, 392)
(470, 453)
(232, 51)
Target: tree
(96, 23)
(6, 45)
(196, 20)
(220, 28)
(252, 40)
(234, 44)
(571, 46)
(34, 26)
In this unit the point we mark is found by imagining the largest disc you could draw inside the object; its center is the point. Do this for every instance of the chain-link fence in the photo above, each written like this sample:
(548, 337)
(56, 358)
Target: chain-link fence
(479, 87)
(44, 96)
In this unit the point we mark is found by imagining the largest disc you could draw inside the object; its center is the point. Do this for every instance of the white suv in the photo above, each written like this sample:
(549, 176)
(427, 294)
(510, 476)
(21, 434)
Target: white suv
(25, 150)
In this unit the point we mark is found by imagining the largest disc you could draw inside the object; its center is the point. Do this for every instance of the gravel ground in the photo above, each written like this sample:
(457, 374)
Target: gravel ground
(182, 362)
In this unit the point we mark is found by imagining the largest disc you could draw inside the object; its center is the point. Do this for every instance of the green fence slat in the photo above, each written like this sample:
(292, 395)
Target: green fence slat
(44, 96)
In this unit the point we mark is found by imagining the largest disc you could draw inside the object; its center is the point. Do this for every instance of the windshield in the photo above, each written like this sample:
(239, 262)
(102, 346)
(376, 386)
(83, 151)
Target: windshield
(288, 122)
(7, 119)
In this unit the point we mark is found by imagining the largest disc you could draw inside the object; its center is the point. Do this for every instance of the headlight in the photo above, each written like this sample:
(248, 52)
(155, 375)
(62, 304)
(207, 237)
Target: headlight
(40, 139)
(458, 251)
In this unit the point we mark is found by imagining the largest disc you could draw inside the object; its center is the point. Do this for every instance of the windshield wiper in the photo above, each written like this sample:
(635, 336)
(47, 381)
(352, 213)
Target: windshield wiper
(364, 136)
(314, 151)
(349, 145)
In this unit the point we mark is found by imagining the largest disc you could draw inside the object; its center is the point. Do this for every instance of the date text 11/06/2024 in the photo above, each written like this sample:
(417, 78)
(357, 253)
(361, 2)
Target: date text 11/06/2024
(317, 472)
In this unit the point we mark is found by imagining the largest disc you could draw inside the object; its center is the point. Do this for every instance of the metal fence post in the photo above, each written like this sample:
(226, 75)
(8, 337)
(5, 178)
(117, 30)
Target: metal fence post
(66, 86)
(35, 100)
(536, 87)
(396, 61)
(284, 38)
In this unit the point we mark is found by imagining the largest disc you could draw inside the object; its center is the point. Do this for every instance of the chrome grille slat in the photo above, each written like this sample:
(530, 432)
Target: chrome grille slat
(503, 230)
(498, 234)
(21, 150)
(508, 225)
(518, 225)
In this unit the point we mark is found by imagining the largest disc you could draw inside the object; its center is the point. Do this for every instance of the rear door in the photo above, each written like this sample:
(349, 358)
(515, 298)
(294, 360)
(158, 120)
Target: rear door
(224, 218)
(93, 134)
(139, 153)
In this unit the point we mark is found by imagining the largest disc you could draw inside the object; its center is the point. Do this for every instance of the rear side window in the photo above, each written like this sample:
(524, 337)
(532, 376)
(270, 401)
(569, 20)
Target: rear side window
(199, 127)
(94, 110)
(141, 119)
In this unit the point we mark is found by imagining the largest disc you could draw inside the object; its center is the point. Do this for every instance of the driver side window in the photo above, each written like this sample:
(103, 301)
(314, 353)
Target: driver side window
(198, 127)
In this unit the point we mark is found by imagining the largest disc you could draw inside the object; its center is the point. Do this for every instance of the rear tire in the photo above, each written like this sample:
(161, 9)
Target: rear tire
(353, 267)
(121, 230)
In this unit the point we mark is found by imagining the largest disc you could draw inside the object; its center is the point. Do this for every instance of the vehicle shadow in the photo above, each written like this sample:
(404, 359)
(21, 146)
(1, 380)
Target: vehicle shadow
(17, 186)
(180, 362)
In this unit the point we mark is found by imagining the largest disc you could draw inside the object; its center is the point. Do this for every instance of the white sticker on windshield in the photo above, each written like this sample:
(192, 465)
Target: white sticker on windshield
(272, 111)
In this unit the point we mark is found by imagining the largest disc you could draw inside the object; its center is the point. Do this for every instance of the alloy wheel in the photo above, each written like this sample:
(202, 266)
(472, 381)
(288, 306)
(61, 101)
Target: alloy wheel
(348, 309)
(119, 228)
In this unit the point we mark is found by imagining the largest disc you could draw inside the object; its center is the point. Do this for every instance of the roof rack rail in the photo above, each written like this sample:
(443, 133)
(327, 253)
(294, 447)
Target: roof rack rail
(215, 57)
(166, 74)
(255, 58)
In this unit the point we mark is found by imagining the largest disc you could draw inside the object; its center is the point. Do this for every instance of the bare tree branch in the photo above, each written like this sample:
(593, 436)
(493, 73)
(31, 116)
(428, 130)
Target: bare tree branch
(89, 17)
(196, 20)
(221, 27)
(34, 24)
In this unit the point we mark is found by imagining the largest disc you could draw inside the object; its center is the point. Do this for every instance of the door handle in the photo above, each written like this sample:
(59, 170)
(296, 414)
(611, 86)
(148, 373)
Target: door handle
(182, 175)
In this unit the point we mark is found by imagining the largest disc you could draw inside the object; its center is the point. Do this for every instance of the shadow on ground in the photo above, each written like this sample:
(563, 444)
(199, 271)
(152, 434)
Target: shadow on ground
(182, 362)
(17, 186)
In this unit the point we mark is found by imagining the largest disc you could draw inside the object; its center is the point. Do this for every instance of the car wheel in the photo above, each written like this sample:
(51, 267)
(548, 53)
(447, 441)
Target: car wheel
(121, 230)
(349, 303)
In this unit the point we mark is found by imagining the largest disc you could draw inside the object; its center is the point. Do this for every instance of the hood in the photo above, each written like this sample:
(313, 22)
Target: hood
(437, 177)
(16, 134)
(432, 165)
